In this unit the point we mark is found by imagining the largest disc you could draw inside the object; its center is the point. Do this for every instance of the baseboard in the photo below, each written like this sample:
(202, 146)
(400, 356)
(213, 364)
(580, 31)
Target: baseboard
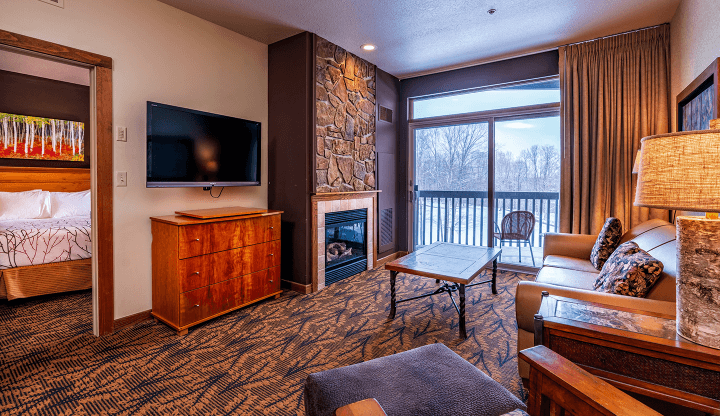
(131, 320)
(391, 257)
(297, 287)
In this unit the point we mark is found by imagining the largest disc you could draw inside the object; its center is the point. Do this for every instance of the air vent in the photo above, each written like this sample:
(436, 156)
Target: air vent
(385, 114)
(386, 226)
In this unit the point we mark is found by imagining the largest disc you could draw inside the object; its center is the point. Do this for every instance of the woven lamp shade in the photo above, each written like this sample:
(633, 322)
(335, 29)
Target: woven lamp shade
(680, 171)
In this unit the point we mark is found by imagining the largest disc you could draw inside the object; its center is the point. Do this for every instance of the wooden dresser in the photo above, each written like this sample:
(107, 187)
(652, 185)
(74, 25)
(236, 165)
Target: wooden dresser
(203, 268)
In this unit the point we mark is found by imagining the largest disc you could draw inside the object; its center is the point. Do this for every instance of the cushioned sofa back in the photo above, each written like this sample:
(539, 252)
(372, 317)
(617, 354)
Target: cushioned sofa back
(657, 237)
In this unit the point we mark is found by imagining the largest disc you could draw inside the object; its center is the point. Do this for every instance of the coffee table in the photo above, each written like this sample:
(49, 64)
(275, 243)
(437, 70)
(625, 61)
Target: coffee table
(456, 264)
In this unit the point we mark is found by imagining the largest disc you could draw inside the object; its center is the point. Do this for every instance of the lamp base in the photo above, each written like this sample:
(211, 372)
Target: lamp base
(698, 280)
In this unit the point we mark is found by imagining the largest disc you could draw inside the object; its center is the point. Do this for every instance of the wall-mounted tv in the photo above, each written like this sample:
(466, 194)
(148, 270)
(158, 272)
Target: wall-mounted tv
(189, 148)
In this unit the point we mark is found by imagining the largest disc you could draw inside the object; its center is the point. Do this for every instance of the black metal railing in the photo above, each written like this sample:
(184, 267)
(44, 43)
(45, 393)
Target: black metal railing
(461, 216)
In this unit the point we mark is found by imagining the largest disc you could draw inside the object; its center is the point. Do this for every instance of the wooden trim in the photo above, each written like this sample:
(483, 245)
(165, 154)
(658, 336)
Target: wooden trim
(334, 196)
(17, 179)
(103, 163)
(104, 197)
(53, 49)
(132, 320)
(298, 287)
(181, 220)
(391, 257)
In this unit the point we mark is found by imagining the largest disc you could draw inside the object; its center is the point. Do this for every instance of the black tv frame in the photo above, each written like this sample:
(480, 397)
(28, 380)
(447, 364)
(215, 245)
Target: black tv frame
(161, 184)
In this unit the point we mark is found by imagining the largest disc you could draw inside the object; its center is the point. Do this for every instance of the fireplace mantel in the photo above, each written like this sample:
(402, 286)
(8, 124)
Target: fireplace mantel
(334, 202)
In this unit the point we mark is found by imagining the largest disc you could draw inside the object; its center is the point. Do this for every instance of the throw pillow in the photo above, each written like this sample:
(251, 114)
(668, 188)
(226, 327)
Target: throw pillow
(629, 271)
(606, 243)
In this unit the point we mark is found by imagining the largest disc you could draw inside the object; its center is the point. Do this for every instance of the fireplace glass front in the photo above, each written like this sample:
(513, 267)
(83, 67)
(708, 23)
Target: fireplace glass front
(345, 244)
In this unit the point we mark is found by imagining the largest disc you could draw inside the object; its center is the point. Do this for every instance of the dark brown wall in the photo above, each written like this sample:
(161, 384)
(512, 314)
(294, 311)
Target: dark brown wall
(388, 96)
(517, 69)
(40, 97)
(291, 148)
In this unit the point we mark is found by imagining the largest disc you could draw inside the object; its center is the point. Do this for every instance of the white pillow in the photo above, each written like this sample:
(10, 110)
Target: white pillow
(70, 204)
(24, 205)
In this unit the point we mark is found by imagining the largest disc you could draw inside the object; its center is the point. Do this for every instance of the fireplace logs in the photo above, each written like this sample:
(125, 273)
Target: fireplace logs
(337, 251)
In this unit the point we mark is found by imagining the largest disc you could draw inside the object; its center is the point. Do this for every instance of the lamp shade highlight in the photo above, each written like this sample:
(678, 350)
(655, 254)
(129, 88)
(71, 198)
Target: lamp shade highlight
(680, 171)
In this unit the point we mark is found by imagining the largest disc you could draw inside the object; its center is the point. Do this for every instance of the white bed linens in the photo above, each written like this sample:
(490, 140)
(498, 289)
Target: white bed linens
(40, 241)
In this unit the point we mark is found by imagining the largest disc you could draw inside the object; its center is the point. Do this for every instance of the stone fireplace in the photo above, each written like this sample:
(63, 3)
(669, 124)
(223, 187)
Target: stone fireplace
(330, 238)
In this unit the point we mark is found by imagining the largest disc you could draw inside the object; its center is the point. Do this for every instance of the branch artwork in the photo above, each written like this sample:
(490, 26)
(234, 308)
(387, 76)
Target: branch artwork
(28, 137)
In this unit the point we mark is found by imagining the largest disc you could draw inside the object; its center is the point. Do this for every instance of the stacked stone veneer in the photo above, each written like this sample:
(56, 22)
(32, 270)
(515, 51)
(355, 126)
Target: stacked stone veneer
(345, 123)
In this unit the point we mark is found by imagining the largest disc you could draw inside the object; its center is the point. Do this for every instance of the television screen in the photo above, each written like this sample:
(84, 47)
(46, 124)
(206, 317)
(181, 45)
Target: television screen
(193, 148)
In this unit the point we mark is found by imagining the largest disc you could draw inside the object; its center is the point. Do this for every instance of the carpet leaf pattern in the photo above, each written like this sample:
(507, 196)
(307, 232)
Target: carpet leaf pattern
(253, 361)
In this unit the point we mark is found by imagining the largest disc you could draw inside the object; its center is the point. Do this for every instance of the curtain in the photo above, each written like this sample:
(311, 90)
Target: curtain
(615, 91)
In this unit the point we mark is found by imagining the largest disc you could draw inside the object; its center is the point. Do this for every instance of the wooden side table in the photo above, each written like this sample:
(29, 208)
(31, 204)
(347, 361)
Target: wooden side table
(636, 351)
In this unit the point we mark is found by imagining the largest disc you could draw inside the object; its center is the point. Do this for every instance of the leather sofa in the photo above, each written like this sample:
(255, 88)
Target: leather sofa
(567, 272)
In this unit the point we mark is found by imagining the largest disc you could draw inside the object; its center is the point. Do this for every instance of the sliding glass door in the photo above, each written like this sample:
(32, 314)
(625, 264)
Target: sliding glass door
(489, 177)
(451, 184)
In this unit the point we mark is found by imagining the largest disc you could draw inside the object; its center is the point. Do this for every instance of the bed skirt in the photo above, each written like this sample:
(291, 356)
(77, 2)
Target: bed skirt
(43, 279)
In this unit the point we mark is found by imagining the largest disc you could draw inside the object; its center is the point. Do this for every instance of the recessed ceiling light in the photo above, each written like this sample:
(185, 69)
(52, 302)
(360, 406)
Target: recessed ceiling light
(368, 47)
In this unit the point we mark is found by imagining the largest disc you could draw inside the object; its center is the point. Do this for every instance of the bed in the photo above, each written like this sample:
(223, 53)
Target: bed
(41, 256)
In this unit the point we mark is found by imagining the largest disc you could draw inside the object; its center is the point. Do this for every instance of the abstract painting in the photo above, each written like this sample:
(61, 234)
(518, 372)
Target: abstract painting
(697, 113)
(28, 137)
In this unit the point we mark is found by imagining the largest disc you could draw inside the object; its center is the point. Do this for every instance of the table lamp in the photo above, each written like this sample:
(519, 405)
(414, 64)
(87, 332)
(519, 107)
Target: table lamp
(681, 171)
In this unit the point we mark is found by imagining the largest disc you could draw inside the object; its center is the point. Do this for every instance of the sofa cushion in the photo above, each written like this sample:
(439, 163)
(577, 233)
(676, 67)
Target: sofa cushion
(570, 263)
(629, 271)
(430, 380)
(568, 278)
(606, 243)
(665, 286)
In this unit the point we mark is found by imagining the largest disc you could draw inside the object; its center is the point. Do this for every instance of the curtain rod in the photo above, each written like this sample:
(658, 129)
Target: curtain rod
(616, 34)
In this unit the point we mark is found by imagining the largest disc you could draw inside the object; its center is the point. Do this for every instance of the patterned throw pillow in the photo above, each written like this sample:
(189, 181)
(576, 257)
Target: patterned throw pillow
(629, 271)
(606, 243)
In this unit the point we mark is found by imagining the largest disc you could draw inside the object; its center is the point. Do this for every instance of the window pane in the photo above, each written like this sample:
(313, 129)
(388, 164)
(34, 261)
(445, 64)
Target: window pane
(527, 178)
(534, 93)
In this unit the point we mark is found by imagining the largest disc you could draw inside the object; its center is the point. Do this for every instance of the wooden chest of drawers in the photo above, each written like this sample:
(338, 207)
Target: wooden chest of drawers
(203, 268)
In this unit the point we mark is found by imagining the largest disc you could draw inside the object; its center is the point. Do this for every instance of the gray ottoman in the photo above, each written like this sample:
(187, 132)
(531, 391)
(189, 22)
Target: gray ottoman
(430, 380)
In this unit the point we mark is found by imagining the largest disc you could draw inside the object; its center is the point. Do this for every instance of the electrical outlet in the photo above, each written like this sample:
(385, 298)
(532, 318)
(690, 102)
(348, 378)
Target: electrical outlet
(121, 179)
(122, 134)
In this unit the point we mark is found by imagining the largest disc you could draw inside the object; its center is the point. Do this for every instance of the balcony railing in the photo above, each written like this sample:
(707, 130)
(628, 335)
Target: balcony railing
(461, 216)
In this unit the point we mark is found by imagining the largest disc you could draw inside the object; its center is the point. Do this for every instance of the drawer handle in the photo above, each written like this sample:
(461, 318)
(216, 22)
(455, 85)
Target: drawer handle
(272, 254)
(197, 273)
(197, 239)
(196, 305)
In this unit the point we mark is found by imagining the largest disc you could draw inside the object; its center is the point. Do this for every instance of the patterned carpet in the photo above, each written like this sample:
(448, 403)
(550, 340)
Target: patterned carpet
(250, 362)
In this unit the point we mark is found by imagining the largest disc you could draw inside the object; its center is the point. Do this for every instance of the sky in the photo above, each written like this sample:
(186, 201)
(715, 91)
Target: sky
(515, 135)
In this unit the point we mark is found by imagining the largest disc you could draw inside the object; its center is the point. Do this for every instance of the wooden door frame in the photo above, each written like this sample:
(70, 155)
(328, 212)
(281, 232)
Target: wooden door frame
(101, 170)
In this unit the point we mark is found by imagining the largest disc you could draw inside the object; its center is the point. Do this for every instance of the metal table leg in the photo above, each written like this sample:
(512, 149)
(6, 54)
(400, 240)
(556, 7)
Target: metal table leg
(461, 290)
(494, 277)
(393, 276)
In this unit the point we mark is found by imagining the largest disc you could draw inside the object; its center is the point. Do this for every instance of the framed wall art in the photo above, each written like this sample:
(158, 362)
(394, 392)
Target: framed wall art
(697, 104)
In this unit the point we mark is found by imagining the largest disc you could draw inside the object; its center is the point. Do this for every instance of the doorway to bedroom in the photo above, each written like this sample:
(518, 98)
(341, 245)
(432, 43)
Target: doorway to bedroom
(54, 111)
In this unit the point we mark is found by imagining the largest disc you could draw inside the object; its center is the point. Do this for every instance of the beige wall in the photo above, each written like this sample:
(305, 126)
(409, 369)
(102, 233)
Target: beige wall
(695, 43)
(165, 55)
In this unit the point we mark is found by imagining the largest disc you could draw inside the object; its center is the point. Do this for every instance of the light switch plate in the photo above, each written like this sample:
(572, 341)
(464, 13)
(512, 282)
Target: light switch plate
(122, 134)
(121, 179)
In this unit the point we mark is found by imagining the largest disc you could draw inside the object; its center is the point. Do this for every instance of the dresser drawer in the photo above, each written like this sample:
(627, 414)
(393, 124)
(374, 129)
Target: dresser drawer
(195, 272)
(260, 284)
(196, 240)
(199, 304)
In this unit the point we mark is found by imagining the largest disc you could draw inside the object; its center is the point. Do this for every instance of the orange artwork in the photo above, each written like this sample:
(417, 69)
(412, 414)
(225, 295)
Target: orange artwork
(27, 137)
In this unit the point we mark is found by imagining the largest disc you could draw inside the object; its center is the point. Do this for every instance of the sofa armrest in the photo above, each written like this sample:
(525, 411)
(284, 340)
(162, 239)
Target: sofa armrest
(528, 296)
(578, 246)
(556, 383)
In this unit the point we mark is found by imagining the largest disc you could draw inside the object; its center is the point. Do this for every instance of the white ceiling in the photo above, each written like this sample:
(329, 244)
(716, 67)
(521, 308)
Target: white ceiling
(423, 36)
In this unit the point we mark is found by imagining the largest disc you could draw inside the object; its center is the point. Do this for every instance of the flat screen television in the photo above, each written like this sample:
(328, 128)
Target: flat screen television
(189, 148)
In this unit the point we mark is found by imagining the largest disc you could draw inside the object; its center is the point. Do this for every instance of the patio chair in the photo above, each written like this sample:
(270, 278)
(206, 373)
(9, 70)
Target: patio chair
(517, 226)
